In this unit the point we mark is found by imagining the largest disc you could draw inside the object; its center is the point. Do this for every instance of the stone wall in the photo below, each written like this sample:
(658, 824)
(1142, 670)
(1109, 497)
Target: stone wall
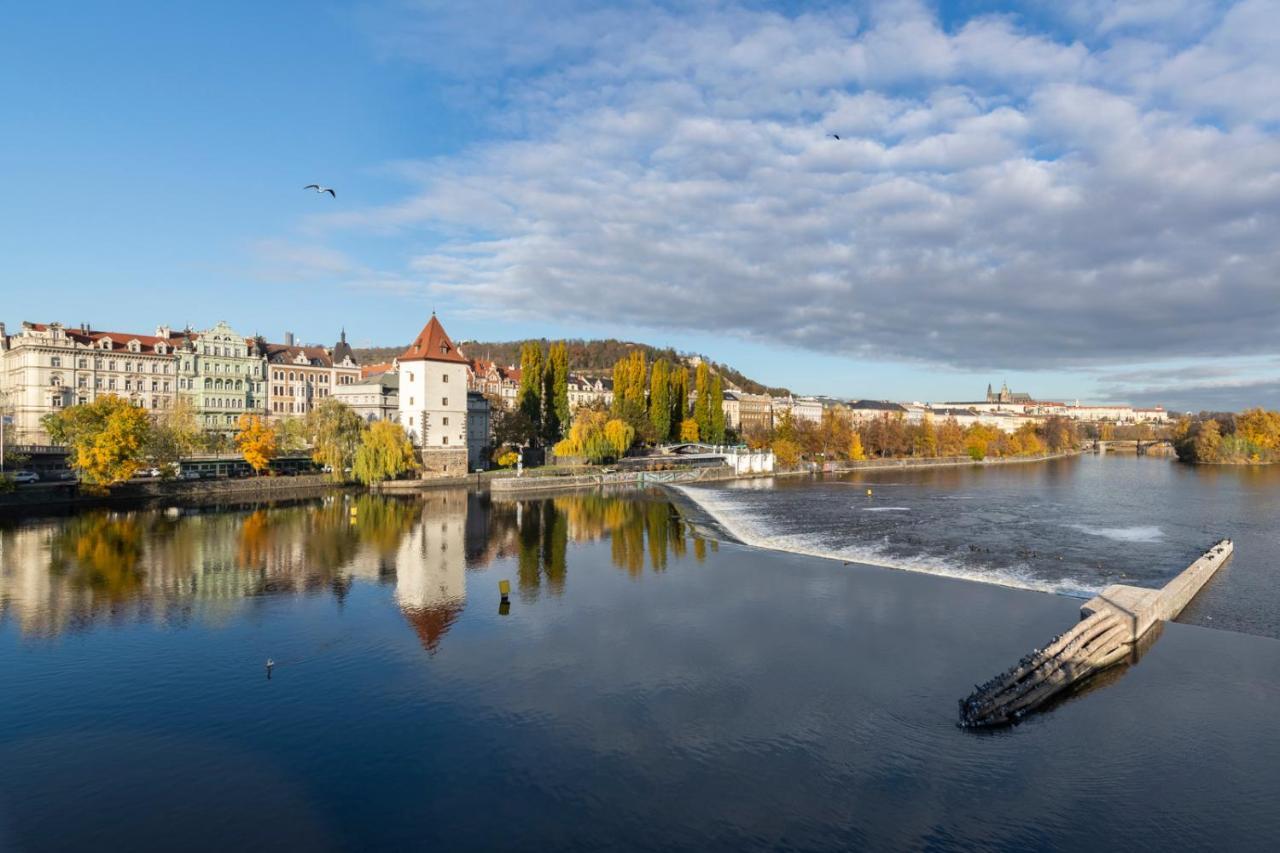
(444, 462)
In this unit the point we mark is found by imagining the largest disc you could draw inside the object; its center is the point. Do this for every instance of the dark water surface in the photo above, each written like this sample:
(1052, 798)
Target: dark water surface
(647, 689)
(1069, 526)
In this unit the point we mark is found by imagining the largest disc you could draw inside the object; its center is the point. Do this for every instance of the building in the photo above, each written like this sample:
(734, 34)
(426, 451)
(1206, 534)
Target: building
(299, 377)
(800, 408)
(433, 400)
(374, 398)
(494, 380)
(1004, 395)
(863, 411)
(589, 390)
(48, 367)
(478, 431)
(223, 375)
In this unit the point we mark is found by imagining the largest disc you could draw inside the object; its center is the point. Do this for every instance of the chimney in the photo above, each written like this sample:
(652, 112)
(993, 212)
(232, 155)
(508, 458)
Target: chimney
(288, 339)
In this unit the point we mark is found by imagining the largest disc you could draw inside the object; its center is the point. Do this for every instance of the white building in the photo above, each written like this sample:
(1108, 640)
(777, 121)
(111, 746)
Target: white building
(47, 367)
(433, 400)
(374, 398)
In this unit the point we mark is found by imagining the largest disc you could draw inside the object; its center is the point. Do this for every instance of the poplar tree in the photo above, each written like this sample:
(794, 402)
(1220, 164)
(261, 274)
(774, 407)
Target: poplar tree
(679, 400)
(560, 391)
(702, 405)
(660, 399)
(715, 403)
(529, 399)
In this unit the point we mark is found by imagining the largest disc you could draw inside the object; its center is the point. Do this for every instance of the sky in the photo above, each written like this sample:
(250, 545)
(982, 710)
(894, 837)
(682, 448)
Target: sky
(1079, 199)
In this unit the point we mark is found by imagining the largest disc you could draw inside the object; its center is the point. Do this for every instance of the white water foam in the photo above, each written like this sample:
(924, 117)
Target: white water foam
(720, 506)
(1148, 533)
(886, 509)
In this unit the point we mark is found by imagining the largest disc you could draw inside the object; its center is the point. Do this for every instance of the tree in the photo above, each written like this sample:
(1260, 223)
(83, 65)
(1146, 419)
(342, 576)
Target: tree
(715, 414)
(786, 452)
(620, 435)
(529, 398)
(688, 430)
(679, 400)
(385, 453)
(950, 437)
(856, 453)
(334, 430)
(587, 437)
(702, 402)
(256, 442)
(926, 438)
(629, 376)
(107, 439)
(291, 435)
(1207, 440)
(556, 392)
(660, 399)
(174, 435)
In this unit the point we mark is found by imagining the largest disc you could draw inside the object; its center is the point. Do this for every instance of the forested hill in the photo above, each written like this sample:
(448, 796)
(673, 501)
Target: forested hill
(595, 357)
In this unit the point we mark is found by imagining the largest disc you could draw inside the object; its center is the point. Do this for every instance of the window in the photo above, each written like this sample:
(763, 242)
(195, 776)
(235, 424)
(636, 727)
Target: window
(83, 363)
(97, 383)
(410, 401)
(97, 362)
(444, 421)
(444, 439)
(111, 365)
(82, 382)
(410, 376)
(444, 378)
(444, 402)
(55, 361)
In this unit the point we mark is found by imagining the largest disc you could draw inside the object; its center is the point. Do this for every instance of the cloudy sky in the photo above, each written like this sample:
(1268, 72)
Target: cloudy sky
(1082, 202)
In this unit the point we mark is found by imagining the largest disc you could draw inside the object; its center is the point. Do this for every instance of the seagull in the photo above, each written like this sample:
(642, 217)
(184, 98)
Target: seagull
(834, 136)
(320, 189)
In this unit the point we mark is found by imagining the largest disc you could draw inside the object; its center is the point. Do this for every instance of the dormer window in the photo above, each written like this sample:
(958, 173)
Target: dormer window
(444, 349)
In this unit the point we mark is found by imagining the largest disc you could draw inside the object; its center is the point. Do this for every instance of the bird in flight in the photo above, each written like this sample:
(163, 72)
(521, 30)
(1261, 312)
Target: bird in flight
(320, 189)
(835, 136)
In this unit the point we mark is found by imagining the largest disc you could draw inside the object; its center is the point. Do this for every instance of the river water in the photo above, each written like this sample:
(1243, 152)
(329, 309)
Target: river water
(1069, 526)
(645, 688)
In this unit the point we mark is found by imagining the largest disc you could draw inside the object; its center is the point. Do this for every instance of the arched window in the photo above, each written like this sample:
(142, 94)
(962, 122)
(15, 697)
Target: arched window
(208, 383)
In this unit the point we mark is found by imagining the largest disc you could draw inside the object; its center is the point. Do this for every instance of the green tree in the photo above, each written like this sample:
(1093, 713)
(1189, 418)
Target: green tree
(529, 398)
(715, 414)
(629, 376)
(107, 439)
(334, 430)
(660, 399)
(385, 452)
(679, 400)
(560, 386)
(702, 401)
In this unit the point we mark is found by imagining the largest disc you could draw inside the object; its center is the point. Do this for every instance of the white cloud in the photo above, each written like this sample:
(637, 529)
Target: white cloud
(999, 197)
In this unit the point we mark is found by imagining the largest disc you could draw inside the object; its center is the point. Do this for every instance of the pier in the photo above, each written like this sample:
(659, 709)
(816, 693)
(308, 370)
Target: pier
(1111, 626)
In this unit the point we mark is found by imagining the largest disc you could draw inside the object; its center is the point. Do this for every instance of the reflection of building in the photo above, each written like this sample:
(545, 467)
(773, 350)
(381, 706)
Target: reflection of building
(431, 583)
(433, 400)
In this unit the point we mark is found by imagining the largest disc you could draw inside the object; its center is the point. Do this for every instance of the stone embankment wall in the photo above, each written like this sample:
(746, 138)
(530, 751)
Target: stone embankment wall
(179, 491)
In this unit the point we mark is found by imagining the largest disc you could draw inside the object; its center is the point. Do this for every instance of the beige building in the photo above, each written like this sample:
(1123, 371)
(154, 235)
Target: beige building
(589, 390)
(299, 377)
(493, 380)
(433, 400)
(45, 368)
(374, 398)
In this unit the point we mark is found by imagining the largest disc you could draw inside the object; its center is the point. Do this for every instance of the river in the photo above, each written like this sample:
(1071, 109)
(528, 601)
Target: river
(647, 686)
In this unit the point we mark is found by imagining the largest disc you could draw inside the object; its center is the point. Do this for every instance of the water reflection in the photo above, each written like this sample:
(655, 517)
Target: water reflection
(178, 565)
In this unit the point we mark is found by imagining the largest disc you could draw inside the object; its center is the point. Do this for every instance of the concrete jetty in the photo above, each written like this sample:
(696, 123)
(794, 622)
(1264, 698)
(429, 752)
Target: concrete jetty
(1111, 626)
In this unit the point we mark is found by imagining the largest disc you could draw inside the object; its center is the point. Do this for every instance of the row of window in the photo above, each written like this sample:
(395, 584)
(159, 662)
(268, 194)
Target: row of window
(444, 402)
(100, 364)
(140, 402)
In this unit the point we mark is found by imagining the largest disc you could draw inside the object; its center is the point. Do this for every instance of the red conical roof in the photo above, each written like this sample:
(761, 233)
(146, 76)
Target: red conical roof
(433, 344)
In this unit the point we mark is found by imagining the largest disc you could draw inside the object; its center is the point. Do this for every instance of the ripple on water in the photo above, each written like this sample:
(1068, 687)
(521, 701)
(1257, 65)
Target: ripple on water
(1138, 533)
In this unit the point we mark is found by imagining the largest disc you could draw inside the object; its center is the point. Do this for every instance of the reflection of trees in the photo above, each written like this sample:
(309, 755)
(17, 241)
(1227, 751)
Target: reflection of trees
(543, 537)
(638, 527)
(100, 553)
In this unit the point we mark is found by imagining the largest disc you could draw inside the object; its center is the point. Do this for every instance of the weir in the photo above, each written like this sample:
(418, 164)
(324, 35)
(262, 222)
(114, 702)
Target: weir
(1112, 624)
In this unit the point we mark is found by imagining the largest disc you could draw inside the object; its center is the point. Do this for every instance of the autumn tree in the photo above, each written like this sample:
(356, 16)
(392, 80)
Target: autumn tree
(587, 437)
(256, 442)
(291, 435)
(334, 430)
(950, 437)
(529, 397)
(660, 399)
(107, 439)
(688, 430)
(925, 440)
(702, 401)
(620, 435)
(715, 414)
(555, 394)
(629, 385)
(174, 436)
(679, 400)
(385, 453)
(856, 453)
(1207, 440)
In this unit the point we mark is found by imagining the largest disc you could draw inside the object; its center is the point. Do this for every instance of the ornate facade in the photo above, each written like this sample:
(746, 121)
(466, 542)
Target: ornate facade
(222, 374)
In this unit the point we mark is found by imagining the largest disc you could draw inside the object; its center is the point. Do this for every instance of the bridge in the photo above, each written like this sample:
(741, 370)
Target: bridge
(1143, 447)
(738, 457)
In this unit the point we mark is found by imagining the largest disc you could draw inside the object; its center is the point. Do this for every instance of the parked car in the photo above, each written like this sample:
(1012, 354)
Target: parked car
(190, 474)
(26, 477)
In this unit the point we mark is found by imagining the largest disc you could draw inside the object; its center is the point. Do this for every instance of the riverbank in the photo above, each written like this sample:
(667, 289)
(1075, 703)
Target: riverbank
(43, 497)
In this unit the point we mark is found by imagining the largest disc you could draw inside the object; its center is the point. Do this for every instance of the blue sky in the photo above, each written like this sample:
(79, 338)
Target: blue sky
(1082, 202)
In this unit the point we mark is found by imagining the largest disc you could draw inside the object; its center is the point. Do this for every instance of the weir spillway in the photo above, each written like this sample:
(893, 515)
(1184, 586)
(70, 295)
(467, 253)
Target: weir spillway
(1111, 626)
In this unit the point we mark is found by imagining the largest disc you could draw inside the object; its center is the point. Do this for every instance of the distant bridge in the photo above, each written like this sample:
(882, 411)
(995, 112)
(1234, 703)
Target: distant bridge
(1143, 447)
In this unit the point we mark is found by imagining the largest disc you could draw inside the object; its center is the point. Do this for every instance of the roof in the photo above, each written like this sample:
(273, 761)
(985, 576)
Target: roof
(878, 405)
(369, 370)
(342, 349)
(433, 344)
(119, 340)
(285, 354)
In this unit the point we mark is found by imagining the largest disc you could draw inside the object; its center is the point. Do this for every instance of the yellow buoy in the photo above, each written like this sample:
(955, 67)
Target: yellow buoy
(504, 589)
(868, 493)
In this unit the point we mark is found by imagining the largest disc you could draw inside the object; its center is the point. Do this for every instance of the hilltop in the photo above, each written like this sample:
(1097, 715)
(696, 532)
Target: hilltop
(594, 358)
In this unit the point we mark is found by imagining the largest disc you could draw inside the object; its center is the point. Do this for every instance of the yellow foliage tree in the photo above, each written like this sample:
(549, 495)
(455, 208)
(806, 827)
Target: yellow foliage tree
(384, 452)
(856, 453)
(107, 439)
(587, 437)
(786, 452)
(688, 430)
(256, 442)
(620, 435)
